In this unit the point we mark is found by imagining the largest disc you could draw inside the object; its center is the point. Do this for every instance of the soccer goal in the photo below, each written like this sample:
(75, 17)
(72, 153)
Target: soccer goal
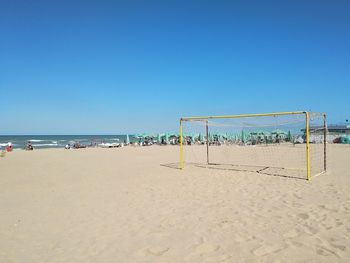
(287, 144)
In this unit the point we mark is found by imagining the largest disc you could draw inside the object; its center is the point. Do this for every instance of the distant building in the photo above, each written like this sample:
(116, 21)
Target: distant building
(331, 129)
(333, 132)
(339, 129)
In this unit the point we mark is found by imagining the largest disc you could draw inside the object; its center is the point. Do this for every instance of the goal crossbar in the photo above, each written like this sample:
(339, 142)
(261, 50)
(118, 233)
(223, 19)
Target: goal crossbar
(242, 115)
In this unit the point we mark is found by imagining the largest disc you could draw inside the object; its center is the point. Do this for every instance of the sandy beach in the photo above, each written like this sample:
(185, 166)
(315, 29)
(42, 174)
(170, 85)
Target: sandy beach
(122, 205)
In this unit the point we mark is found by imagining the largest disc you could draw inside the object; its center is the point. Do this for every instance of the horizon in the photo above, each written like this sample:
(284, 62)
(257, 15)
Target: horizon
(346, 123)
(113, 68)
(135, 134)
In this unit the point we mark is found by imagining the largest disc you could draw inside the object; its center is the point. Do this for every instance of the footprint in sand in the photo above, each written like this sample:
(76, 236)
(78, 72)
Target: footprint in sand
(303, 216)
(297, 196)
(220, 258)
(151, 251)
(323, 251)
(206, 248)
(201, 250)
(157, 251)
(297, 244)
(310, 230)
(328, 208)
(267, 249)
(339, 247)
(291, 233)
(225, 224)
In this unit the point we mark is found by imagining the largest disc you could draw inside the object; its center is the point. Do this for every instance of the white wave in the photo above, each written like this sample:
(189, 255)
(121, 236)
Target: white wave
(36, 140)
(45, 144)
(54, 142)
(5, 144)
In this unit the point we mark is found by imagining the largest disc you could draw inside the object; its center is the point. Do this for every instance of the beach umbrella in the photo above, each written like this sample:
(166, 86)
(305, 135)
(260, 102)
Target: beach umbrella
(235, 136)
(279, 132)
(195, 137)
(243, 136)
(127, 139)
(289, 136)
(221, 136)
(148, 136)
(204, 139)
(345, 139)
(192, 136)
(261, 132)
(166, 138)
(159, 138)
(139, 136)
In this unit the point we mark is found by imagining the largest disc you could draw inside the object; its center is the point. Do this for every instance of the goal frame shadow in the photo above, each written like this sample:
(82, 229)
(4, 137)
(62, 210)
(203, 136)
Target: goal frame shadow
(263, 170)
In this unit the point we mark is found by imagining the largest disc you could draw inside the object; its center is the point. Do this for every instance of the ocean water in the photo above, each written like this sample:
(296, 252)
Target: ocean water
(59, 141)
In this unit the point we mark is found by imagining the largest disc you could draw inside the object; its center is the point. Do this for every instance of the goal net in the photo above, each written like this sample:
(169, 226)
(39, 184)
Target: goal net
(280, 144)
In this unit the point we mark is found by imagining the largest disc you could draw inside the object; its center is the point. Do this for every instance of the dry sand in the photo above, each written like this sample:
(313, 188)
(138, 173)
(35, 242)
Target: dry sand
(121, 205)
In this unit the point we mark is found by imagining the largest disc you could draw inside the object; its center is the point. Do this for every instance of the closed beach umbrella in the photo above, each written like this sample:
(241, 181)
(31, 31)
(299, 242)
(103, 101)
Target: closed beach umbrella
(166, 138)
(127, 139)
(243, 136)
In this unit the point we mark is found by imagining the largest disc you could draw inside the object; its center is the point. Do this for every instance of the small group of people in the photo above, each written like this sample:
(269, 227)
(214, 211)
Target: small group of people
(75, 145)
(28, 146)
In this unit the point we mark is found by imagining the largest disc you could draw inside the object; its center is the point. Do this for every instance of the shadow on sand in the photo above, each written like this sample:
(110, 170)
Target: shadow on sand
(263, 170)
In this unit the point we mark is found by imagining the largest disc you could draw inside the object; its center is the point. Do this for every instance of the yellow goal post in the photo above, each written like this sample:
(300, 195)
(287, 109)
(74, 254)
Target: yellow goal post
(312, 128)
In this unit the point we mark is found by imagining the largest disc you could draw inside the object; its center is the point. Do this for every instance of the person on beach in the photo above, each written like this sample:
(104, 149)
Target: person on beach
(29, 146)
(9, 147)
(2, 152)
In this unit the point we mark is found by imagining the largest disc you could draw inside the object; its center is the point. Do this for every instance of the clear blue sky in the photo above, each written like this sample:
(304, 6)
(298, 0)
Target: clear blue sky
(111, 67)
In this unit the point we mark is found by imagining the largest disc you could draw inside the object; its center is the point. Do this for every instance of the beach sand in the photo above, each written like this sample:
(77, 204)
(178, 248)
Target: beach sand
(121, 205)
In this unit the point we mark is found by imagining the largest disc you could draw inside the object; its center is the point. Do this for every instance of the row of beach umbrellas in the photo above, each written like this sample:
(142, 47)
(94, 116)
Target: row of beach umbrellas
(242, 136)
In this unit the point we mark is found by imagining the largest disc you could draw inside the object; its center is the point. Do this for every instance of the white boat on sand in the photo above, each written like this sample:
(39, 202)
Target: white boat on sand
(109, 145)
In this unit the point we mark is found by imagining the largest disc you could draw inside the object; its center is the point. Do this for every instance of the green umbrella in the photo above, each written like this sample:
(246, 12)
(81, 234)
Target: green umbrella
(345, 139)
(211, 137)
(243, 136)
(166, 138)
(127, 139)
(279, 132)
